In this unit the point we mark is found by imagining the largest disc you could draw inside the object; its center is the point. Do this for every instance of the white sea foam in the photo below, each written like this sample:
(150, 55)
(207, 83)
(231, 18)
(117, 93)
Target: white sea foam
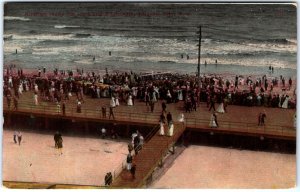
(9, 18)
(65, 26)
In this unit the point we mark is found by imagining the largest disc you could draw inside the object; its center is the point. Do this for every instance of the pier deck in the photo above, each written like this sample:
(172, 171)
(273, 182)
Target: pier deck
(238, 119)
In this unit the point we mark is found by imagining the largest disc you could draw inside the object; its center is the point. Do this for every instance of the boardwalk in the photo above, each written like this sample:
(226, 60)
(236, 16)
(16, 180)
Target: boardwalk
(238, 119)
(149, 157)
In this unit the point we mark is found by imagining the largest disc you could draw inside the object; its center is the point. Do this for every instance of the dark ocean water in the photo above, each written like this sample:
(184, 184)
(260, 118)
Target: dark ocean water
(243, 38)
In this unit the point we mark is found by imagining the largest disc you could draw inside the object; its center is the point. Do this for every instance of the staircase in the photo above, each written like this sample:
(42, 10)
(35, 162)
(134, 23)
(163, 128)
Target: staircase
(148, 159)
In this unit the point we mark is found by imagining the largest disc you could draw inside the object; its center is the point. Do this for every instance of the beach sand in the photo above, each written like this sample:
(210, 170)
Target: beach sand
(85, 161)
(215, 168)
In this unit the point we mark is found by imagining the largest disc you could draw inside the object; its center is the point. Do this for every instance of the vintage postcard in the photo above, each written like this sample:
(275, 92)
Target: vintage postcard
(149, 95)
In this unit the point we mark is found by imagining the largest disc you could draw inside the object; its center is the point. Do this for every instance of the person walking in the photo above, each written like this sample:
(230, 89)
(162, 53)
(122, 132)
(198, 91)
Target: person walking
(163, 106)
(111, 112)
(78, 107)
(213, 121)
(169, 118)
(259, 119)
(15, 103)
(171, 129)
(129, 101)
(36, 102)
(15, 137)
(263, 116)
(212, 103)
(103, 132)
(64, 108)
(19, 135)
(58, 108)
(132, 171)
(129, 161)
(162, 123)
(60, 145)
(57, 136)
(103, 111)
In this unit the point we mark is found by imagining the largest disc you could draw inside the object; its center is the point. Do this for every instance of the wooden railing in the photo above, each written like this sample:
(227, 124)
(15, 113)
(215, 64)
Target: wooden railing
(153, 118)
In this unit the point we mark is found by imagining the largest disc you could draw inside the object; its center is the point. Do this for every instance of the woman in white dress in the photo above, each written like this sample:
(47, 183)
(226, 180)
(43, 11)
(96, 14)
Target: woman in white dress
(171, 129)
(181, 118)
(279, 103)
(220, 108)
(112, 102)
(117, 101)
(36, 102)
(36, 88)
(20, 89)
(180, 97)
(286, 102)
(162, 128)
(154, 96)
(129, 101)
(212, 122)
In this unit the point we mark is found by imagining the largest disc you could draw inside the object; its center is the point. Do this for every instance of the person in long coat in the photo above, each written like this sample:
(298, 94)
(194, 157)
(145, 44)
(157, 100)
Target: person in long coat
(60, 145)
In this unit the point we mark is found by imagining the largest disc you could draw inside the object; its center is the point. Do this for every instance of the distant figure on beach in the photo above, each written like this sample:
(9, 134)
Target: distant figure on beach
(109, 53)
(19, 135)
(16, 51)
(56, 138)
(205, 63)
(103, 132)
(15, 137)
(272, 69)
(108, 178)
(187, 57)
(94, 58)
(216, 61)
(44, 70)
(290, 83)
(60, 145)
(181, 56)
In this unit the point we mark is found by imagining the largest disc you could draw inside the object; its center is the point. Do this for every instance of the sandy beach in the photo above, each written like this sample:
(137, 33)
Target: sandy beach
(85, 161)
(216, 168)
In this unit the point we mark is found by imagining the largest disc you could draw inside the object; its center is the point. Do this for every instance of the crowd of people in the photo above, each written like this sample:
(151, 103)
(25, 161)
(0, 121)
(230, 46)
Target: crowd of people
(127, 88)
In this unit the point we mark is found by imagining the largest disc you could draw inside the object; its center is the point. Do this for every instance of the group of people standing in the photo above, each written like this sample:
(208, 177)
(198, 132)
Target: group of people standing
(166, 120)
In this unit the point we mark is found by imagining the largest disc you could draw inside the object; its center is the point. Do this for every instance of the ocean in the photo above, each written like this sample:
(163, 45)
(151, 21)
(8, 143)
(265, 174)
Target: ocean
(144, 37)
